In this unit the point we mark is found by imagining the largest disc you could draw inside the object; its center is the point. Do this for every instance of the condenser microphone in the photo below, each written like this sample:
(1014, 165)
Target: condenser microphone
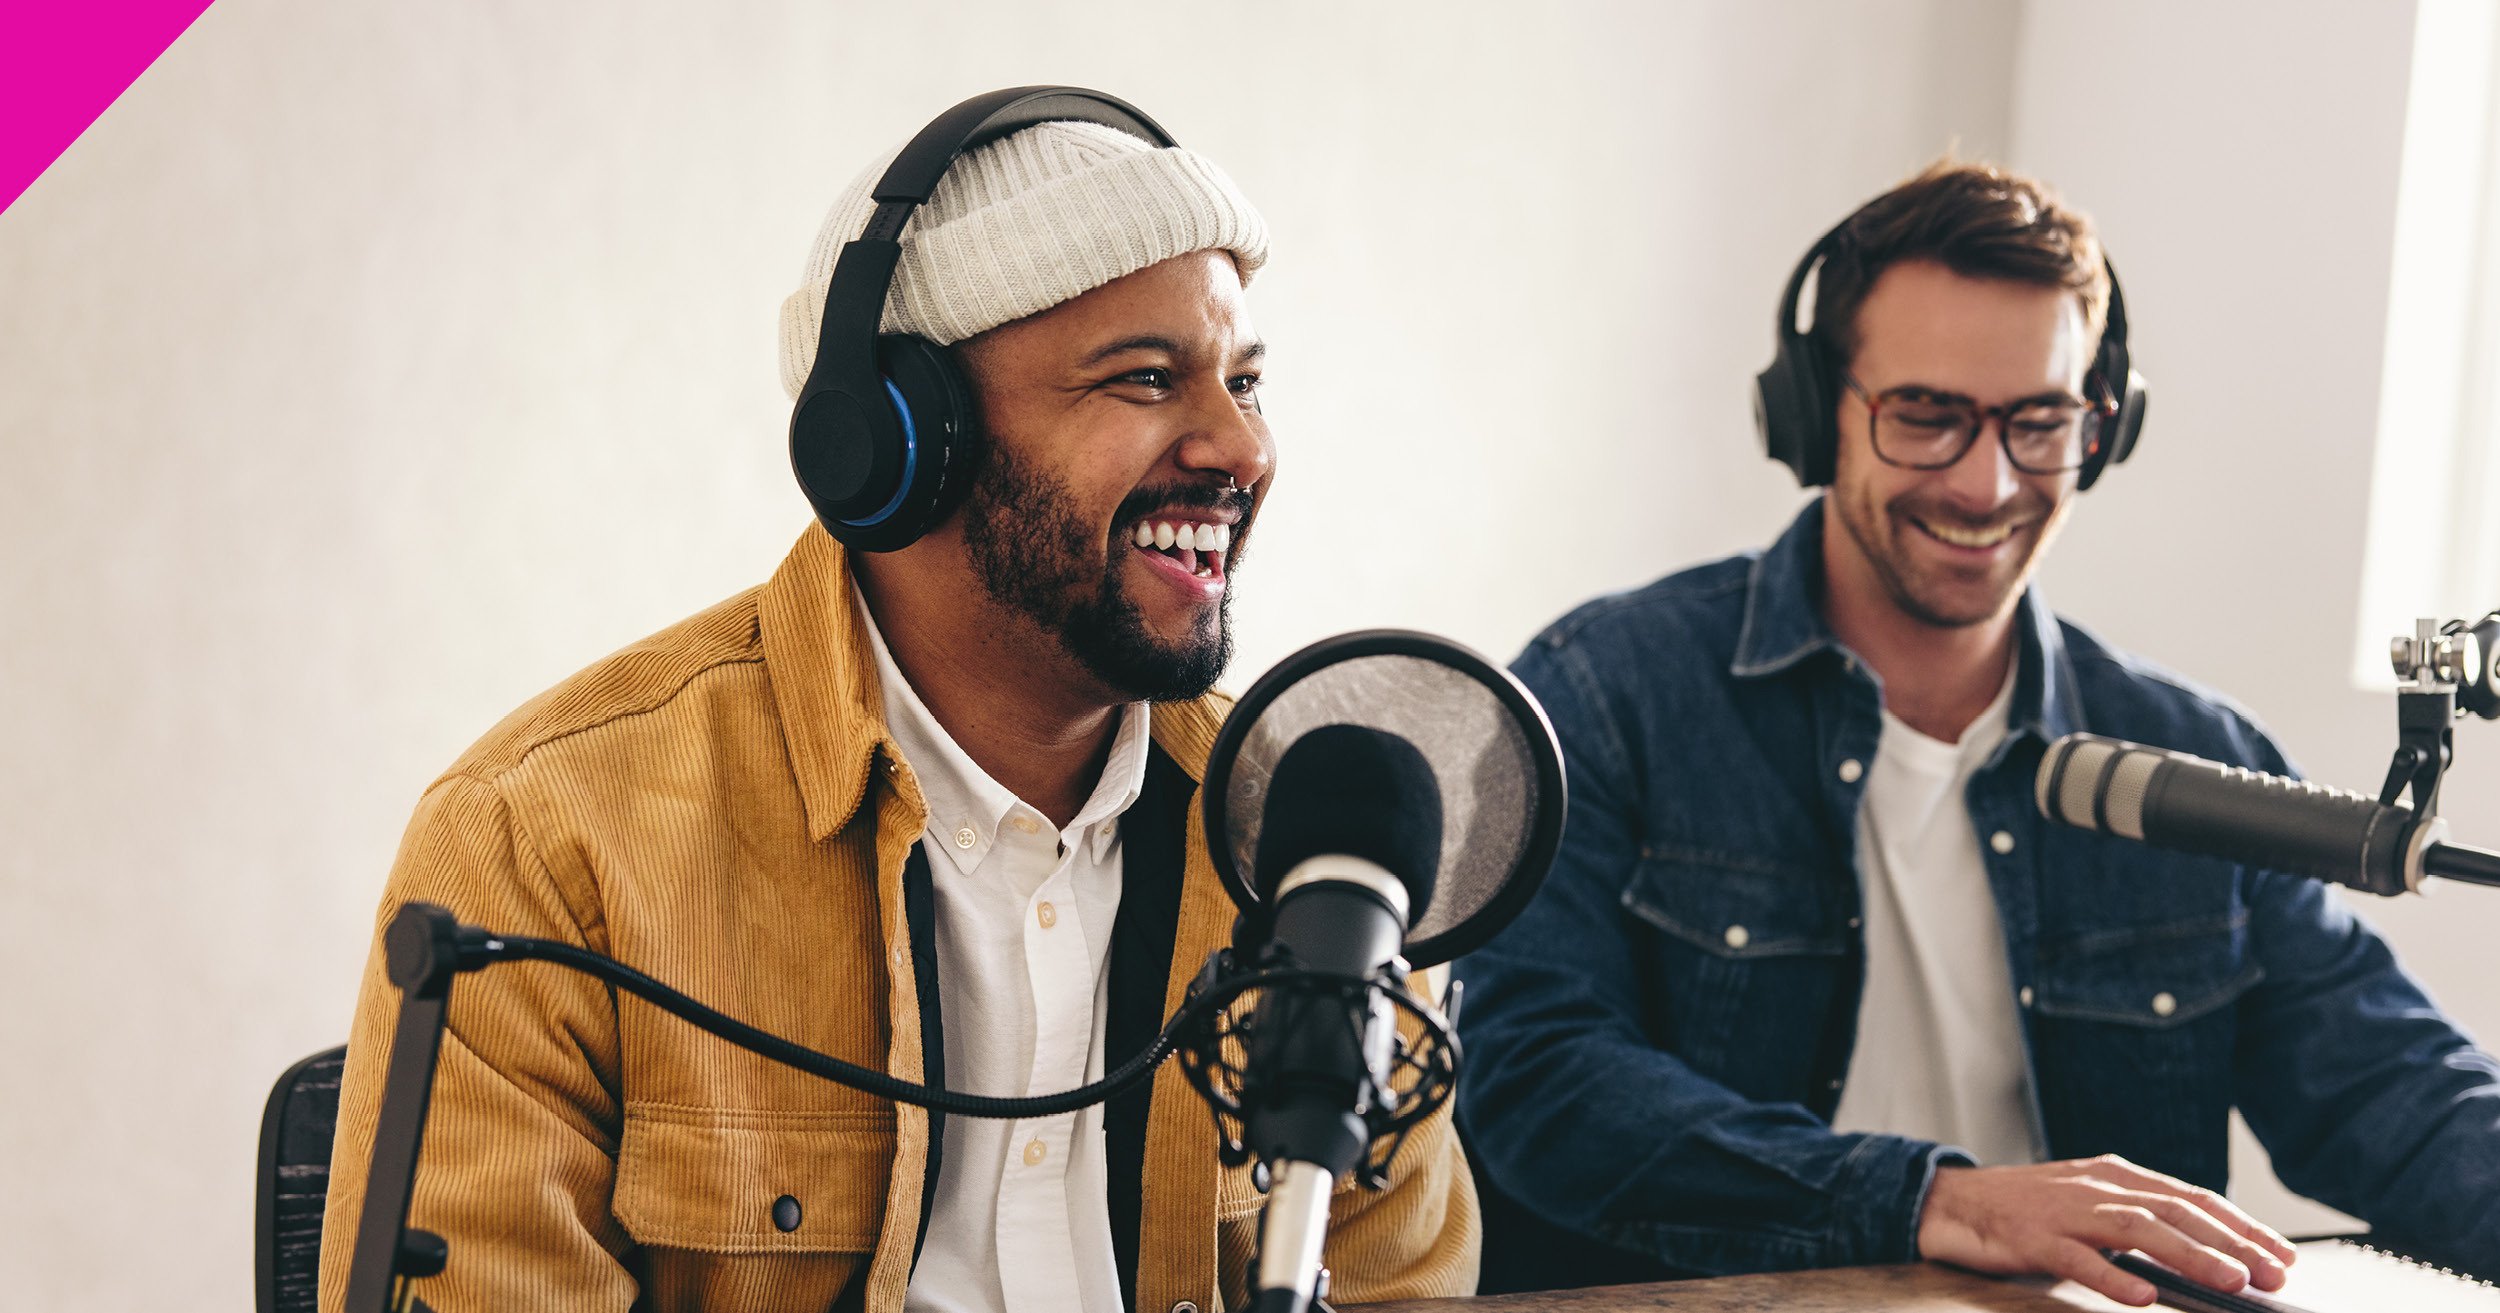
(1352, 840)
(2188, 804)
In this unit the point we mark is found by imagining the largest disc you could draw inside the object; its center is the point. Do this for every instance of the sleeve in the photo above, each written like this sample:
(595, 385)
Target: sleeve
(1417, 1238)
(518, 1159)
(2368, 1098)
(1576, 1113)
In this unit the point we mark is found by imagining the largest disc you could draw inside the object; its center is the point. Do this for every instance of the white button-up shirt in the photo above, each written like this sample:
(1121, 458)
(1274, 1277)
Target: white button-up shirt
(1024, 913)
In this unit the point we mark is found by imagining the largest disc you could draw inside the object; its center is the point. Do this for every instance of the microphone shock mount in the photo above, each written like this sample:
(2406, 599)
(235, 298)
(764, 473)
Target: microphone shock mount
(1214, 1043)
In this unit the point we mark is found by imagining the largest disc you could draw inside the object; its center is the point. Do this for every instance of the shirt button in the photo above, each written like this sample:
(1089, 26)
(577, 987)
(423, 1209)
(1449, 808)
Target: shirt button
(2164, 1004)
(2024, 997)
(1047, 915)
(2001, 843)
(966, 836)
(1851, 770)
(1034, 1153)
(1738, 936)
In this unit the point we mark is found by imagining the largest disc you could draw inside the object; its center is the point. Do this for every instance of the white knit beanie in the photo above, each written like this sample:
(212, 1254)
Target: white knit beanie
(1021, 224)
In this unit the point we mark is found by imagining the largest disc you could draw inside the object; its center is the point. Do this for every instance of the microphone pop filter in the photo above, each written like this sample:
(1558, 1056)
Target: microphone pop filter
(1489, 754)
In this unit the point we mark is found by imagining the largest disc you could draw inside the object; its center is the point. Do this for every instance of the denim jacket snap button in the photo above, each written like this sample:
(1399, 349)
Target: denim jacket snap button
(1850, 770)
(1738, 936)
(2164, 1004)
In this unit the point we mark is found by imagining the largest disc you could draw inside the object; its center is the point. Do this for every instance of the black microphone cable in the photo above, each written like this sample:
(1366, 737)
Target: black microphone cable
(1218, 984)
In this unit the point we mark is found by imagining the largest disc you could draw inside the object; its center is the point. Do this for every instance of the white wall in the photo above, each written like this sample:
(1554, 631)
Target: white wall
(370, 367)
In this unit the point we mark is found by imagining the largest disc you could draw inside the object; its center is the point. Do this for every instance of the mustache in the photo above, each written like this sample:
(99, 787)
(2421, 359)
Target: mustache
(1193, 496)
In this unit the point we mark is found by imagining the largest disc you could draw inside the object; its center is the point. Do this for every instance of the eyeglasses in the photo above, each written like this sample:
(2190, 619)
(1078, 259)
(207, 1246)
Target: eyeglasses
(1921, 430)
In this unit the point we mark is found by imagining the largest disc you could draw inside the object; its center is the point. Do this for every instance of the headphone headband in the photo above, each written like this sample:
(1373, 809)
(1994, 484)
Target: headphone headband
(880, 433)
(855, 304)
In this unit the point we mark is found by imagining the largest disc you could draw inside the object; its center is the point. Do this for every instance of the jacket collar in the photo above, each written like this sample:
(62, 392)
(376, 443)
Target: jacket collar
(824, 678)
(1784, 625)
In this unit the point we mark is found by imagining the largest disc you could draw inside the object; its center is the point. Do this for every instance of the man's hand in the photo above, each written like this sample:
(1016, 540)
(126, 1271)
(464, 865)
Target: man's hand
(2056, 1218)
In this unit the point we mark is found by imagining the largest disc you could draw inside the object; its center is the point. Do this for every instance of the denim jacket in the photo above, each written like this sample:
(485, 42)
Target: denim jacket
(1643, 1073)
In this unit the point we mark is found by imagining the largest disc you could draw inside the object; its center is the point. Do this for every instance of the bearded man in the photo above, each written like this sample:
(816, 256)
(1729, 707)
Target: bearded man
(1812, 984)
(930, 810)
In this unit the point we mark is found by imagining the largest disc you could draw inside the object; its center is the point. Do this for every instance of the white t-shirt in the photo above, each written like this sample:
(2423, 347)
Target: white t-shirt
(1024, 914)
(1940, 1051)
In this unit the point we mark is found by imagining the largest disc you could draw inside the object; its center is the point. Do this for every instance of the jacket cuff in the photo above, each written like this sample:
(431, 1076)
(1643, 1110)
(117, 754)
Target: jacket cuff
(1882, 1189)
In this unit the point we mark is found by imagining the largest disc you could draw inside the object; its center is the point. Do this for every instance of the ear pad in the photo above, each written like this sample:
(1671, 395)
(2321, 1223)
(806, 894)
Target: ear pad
(1792, 409)
(881, 471)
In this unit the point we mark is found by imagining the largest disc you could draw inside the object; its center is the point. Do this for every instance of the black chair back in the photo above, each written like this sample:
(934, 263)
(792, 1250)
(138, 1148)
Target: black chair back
(295, 1181)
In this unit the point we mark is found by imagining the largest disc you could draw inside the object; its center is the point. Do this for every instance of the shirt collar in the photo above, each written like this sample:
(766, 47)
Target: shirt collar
(1784, 625)
(966, 806)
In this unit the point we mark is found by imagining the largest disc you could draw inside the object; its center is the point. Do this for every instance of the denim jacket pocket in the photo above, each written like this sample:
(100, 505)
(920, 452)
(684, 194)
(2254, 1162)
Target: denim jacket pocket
(2133, 1035)
(1750, 952)
(2160, 977)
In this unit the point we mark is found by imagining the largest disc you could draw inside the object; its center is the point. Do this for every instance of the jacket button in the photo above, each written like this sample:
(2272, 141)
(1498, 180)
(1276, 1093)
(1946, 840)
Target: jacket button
(1185, 1306)
(786, 1213)
(2024, 997)
(1738, 936)
(2164, 1004)
(2001, 843)
(1851, 770)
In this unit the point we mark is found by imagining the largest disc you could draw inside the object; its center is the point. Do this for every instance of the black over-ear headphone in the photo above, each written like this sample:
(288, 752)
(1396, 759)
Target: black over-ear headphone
(884, 429)
(1796, 398)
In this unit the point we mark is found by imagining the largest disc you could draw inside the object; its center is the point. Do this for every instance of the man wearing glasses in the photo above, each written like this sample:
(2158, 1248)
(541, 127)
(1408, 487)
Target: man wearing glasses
(1811, 983)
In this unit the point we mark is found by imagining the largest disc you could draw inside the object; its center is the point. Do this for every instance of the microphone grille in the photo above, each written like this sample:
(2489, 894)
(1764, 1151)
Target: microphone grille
(2098, 784)
(2124, 805)
(2073, 778)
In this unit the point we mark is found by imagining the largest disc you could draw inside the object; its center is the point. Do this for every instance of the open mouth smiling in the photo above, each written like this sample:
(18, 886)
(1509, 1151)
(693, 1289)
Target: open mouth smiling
(1969, 539)
(1194, 548)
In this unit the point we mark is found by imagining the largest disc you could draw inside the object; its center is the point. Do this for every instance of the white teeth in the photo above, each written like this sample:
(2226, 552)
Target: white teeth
(1970, 537)
(1165, 536)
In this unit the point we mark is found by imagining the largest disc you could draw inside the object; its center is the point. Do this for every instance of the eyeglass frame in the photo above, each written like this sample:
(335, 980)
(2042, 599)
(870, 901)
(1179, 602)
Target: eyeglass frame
(2103, 411)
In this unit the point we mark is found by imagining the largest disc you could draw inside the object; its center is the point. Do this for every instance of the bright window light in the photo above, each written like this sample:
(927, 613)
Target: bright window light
(2434, 539)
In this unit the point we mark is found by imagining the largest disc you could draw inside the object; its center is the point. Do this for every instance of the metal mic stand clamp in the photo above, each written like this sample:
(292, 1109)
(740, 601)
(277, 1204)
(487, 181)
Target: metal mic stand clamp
(2446, 671)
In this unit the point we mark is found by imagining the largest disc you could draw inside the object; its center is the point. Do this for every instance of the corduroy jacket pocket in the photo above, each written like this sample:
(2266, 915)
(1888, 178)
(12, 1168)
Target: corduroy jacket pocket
(729, 1181)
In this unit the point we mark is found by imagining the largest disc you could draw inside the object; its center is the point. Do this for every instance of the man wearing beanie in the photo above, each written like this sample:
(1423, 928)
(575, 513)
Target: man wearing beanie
(933, 811)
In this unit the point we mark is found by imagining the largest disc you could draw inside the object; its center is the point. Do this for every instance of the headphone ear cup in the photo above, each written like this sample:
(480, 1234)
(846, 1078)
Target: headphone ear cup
(941, 426)
(880, 472)
(2125, 426)
(1792, 410)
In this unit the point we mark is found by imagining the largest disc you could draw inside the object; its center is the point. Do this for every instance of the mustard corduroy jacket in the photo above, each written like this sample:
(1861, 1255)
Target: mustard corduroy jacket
(721, 805)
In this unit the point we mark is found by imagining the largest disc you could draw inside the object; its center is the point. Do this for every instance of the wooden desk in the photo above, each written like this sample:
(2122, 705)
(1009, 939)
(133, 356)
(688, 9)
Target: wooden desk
(1917, 1288)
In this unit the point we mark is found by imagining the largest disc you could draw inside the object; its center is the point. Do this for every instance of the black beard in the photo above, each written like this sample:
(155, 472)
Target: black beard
(1034, 557)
